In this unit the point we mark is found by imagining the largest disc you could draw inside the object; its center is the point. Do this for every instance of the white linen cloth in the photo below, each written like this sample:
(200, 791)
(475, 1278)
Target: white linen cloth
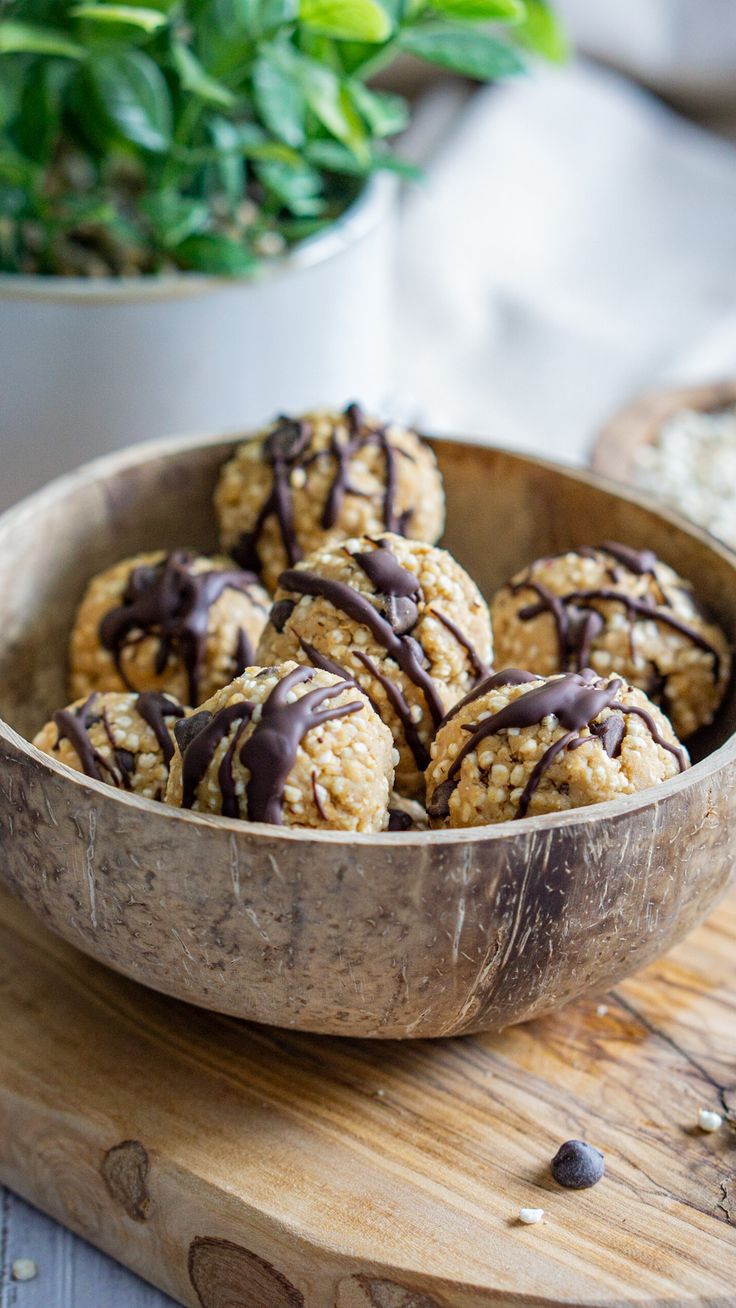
(573, 244)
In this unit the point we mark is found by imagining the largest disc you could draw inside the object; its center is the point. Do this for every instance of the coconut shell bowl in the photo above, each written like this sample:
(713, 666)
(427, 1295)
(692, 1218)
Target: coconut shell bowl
(392, 935)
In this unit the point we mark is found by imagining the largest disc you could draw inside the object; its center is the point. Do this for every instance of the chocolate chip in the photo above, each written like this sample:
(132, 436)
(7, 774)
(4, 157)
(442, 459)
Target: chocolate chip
(610, 732)
(401, 612)
(398, 820)
(280, 613)
(439, 804)
(577, 1165)
(288, 441)
(186, 729)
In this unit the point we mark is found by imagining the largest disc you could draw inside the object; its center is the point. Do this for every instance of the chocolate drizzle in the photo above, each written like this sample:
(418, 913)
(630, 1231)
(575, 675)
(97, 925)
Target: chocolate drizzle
(169, 601)
(578, 623)
(74, 725)
(400, 594)
(155, 708)
(283, 448)
(480, 668)
(286, 449)
(576, 700)
(269, 753)
(360, 436)
(403, 649)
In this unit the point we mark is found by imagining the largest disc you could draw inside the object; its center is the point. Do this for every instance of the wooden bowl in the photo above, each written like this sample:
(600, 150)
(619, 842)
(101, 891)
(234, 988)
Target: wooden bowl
(410, 934)
(640, 422)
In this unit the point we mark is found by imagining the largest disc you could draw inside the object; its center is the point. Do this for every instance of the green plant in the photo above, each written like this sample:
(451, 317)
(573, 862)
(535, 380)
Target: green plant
(210, 134)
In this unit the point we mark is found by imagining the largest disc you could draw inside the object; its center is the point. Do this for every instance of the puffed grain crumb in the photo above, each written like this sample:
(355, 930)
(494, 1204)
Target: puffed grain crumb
(708, 1120)
(24, 1269)
(530, 1216)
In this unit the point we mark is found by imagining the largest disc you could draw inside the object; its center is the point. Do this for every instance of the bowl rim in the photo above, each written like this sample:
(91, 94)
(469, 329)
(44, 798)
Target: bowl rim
(109, 464)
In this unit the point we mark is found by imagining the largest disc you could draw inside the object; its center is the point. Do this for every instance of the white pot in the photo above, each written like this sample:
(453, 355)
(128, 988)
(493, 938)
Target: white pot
(89, 365)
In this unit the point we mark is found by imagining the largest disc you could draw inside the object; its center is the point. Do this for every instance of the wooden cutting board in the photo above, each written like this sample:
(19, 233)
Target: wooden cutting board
(245, 1167)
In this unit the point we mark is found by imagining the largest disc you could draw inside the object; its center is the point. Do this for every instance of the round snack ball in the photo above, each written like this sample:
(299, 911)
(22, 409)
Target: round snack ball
(402, 618)
(177, 622)
(577, 1165)
(307, 482)
(616, 609)
(121, 738)
(521, 745)
(291, 745)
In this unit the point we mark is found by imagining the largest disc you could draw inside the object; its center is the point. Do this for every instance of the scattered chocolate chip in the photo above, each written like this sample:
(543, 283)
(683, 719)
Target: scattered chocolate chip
(577, 1165)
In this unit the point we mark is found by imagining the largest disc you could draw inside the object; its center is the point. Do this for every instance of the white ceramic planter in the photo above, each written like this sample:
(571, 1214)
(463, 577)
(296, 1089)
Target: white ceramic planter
(88, 366)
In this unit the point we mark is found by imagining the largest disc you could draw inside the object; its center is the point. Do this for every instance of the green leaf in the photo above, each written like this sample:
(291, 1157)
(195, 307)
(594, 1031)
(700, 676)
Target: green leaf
(270, 14)
(229, 165)
(148, 20)
(330, 101)
(348, 20)
(17, 171)
(173, 218)
(462, 50)
(134, 98)
(217, 255)
(39, 124)
(279, 100)
(333, 157)
(28, 38)
(195, 78)
(385, 114)
(476, 11)
(543, 32)
(298, 189)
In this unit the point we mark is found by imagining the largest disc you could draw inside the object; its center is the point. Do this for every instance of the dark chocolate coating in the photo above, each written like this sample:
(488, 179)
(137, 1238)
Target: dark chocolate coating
(577, 1165)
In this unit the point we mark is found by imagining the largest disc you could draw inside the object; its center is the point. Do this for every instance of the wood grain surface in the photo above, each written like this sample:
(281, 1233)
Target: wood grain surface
(238, 1166)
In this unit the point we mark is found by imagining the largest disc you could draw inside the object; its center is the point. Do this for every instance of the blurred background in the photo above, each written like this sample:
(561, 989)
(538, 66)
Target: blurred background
(569, 244)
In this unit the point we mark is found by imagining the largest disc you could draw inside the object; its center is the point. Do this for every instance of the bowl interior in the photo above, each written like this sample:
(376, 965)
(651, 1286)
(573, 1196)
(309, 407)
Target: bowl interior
(503, 511)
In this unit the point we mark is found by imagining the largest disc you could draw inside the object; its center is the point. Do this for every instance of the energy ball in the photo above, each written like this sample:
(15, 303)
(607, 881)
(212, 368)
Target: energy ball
(291, 745)
(616, 610)
(307, 482)
(178, 622)
(402, 618)
(121, 738)
(522, 745)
